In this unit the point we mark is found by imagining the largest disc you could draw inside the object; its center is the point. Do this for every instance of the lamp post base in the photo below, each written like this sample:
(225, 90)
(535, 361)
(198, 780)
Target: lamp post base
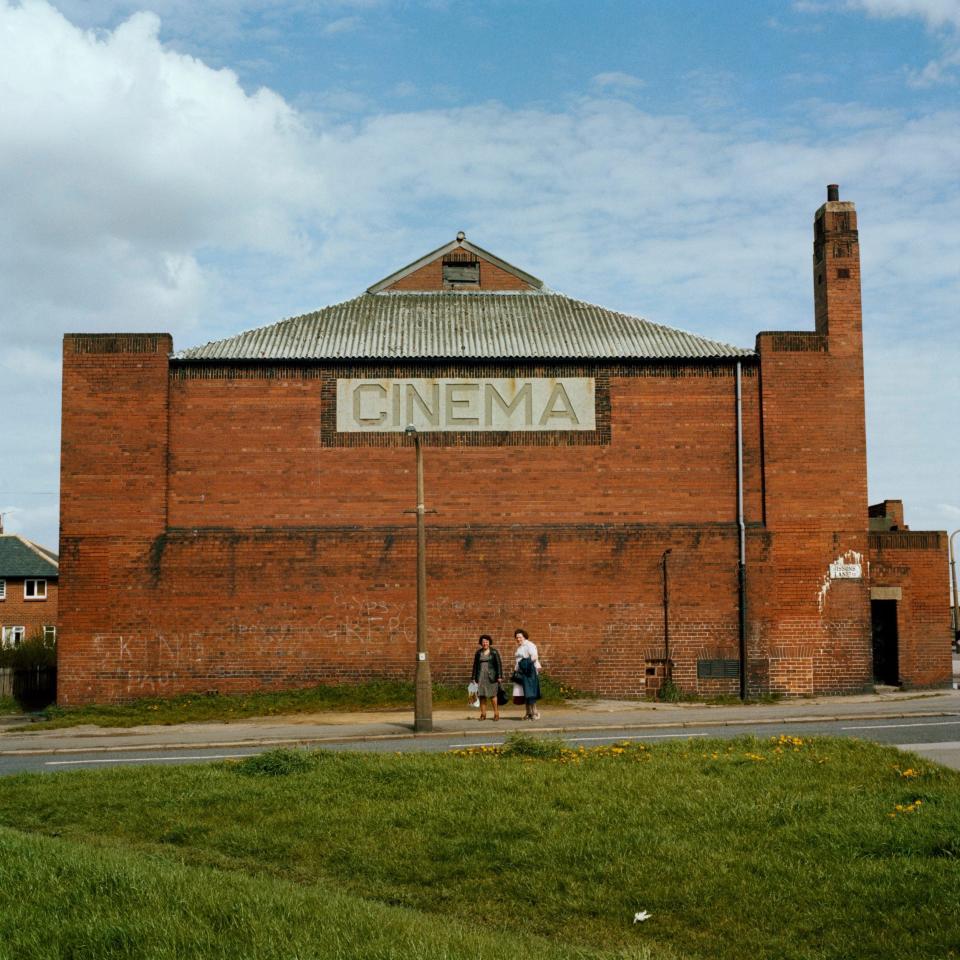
(423, 697)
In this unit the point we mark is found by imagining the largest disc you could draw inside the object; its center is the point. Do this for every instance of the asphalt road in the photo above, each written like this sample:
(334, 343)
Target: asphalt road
(935, 738)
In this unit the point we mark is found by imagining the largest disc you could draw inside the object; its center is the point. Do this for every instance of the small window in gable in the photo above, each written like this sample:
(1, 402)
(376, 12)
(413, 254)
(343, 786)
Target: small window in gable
(34, 589)
(461, 267)
(3, 589)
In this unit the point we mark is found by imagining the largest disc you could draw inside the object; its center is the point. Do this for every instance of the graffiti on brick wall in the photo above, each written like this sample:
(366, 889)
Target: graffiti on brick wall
(848, 566)
(357, 627)
(148, 663)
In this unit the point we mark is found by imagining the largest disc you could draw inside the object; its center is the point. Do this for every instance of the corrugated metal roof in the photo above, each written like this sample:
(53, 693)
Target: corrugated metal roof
(20, 557)
(472, 325)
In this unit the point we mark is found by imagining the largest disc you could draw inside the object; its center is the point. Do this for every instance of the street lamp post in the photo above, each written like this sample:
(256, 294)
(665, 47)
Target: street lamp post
(956, 597)
(423, 685)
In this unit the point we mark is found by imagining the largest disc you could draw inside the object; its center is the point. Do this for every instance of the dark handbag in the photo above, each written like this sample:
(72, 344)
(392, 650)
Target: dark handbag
(516, 677)
(501, 695)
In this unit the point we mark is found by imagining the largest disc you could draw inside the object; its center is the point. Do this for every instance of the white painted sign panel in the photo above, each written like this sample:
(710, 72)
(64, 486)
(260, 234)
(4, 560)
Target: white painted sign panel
(514, 404)
(846, 571)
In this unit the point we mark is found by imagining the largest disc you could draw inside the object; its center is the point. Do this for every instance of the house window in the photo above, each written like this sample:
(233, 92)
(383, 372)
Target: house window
(49, 633)
(3, 589)
(34, 589)
(11, 637)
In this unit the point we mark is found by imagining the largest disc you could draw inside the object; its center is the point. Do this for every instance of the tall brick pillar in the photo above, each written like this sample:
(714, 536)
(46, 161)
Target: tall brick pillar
(811, 622)
(836, 277)
(113, 495)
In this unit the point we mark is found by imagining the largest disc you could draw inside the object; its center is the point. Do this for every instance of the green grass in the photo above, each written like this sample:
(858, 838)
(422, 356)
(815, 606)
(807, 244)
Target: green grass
(193, 708)
(671, 693)
(9, 706)
(739, 849)
(199, 707)
(102, 903)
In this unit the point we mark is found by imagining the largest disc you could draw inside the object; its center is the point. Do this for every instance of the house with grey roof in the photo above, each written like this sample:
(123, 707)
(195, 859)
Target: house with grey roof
(29, 579)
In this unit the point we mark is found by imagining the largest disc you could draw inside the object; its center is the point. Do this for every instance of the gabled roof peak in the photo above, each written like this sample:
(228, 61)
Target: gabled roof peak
(458, 265)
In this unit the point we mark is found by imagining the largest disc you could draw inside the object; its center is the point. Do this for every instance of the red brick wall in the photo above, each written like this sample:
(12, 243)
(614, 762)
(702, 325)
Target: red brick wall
(815, 628)
(32, 615)
(241, 611)
(249, 453)
(113, 445)
(430, 277)
(917, 563)
(113, 470)
(274, 535)
(216, 535)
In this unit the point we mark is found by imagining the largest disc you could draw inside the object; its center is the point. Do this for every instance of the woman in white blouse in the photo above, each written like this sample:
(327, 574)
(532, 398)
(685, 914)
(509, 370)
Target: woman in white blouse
(526, 673)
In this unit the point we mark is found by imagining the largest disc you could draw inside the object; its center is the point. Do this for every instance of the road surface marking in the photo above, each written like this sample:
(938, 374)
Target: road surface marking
(895, 726)
(936, 745)
(210, 756)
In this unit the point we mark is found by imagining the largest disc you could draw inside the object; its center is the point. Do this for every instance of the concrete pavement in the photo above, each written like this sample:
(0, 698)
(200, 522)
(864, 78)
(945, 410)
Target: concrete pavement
(576, 716)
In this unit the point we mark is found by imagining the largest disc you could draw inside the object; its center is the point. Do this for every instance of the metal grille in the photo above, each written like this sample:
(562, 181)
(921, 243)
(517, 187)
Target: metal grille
(718, 669)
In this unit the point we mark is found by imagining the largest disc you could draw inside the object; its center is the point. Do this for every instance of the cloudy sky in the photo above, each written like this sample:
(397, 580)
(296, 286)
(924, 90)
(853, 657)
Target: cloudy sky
(206, 168)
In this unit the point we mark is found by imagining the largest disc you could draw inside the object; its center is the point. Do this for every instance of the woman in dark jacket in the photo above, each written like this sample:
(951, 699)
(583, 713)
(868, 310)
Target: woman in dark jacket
(487, 675)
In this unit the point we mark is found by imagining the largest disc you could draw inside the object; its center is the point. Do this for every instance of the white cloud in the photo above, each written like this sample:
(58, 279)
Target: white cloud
(115, 151)
(936, 72)
(141, 189)
(24, 363)
(342, 25)
(123, 167)
(616, 82)
(935, 13)
(941, 16)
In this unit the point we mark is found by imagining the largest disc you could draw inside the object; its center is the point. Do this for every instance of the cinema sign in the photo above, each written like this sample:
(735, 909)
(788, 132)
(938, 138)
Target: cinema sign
(466, 403)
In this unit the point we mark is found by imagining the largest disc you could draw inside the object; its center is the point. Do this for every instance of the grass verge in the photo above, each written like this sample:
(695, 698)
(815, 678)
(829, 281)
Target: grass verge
(194, 708)
(788, 848)
(62, 899)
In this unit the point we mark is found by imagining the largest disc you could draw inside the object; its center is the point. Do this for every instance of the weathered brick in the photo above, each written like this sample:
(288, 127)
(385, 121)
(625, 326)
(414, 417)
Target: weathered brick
(218, 534)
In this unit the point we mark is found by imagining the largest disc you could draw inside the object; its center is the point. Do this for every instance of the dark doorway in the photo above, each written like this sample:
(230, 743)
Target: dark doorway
(883, 614)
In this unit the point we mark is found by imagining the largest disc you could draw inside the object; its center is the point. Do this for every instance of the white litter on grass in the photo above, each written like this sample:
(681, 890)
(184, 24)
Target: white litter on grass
(641, 916)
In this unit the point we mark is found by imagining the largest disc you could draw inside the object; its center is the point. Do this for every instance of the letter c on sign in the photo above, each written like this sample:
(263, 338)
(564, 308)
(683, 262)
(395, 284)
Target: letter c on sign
(380, 391)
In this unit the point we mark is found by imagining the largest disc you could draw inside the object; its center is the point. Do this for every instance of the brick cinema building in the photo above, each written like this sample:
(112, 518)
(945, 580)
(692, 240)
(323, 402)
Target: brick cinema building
(238, 516)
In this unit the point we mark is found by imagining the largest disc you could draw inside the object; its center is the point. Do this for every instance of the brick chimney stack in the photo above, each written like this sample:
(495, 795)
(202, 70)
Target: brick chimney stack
(836, 274)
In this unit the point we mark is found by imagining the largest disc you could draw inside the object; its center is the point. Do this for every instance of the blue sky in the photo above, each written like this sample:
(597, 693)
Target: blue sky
(206, 168)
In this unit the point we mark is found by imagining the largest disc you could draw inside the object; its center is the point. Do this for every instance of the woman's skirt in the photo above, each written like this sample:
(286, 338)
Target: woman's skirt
(486, 686)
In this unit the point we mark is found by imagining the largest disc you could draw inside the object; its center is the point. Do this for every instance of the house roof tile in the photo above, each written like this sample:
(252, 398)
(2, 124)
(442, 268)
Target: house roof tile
(20, 557)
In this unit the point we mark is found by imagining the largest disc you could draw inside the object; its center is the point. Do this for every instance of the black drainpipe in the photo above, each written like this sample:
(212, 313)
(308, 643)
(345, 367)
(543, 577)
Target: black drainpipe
(741, 543)
(666, 608)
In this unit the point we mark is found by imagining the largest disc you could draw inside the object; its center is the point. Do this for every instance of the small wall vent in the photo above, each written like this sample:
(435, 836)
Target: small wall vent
(461, 268)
